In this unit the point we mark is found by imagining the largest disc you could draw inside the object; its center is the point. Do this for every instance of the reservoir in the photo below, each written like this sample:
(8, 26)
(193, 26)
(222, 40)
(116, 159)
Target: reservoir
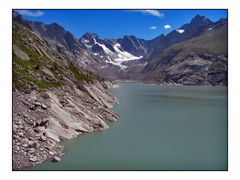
(160, 128)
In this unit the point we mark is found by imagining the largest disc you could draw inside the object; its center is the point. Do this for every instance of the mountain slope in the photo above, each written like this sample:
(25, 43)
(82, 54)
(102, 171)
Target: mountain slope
(129, 58)
(54, 98)
(200, 60)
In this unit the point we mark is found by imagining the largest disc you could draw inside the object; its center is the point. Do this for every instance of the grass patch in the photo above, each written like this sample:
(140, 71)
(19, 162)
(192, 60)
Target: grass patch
(42, 84)
(79, 75)
(27, 64)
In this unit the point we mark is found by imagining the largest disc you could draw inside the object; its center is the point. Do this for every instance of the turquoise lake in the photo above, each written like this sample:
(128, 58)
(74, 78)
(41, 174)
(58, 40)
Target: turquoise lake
(160, 128)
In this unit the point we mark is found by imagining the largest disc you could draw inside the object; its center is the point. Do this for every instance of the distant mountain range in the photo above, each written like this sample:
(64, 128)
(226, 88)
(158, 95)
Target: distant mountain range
(194, 54)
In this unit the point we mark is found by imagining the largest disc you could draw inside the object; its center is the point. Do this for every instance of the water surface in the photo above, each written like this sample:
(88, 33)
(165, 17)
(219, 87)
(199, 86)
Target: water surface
(159, 128)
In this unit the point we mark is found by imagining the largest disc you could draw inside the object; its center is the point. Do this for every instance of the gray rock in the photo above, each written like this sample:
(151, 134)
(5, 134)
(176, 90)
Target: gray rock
(33, 159)
(25, 145)
(14, 128)
(51, 153)
(44, 95)
(33, 144)
(30, 138)
(15, 136)
(19, 53)
(21, 135)
(52, 135)
(48, 148)
(42, 138)
(20, 126)
(32, 107)
(37, 103)
(44, 106)
(31, 150)
(39, 129)
(17, 148)
(56, 159)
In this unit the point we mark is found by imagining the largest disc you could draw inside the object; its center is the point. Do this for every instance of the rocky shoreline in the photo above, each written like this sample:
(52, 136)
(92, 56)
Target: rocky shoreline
(42, 119)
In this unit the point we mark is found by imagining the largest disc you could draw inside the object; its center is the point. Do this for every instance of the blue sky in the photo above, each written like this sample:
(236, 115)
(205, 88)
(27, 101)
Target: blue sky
(146, 24)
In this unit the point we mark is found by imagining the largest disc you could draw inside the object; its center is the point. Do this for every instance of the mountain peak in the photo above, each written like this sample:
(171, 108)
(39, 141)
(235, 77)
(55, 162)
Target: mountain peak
(199, 19)
(128, 37)
(89, 35)
(57, 26)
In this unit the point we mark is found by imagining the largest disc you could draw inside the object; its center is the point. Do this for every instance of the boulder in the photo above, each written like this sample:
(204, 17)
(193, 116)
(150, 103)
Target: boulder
(24, 145)
(33, 144)
(31, 150)
(44, 95)
(33, 159)
(37, 103)
(19, 53)
(42, 138)
(32, 107)
(51, 153)
(56, 159)
(44, 106)
(21, 134)
(14, 129)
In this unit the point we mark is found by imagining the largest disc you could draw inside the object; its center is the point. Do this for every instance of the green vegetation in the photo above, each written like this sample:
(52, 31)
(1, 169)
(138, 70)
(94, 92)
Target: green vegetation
(24, 63)
(42, 84)
(32, 74)
(24, 71)
(80, 75)
(23, 81)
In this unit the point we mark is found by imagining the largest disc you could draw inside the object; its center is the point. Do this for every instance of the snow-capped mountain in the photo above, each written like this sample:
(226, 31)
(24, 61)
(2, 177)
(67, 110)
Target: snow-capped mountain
(133, 45)
(110, 51)
(131, 58)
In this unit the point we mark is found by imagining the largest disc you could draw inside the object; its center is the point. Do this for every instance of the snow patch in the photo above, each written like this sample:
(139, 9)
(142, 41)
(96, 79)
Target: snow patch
(86, 41)
(106, 50)
(118, 57)
(124, 55)
(180, 31)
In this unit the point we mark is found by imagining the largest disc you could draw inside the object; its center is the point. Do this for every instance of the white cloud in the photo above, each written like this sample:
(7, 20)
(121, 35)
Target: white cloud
(153, 28)
(180, 31)
(152, 12)
(167, 26)
(31, 13)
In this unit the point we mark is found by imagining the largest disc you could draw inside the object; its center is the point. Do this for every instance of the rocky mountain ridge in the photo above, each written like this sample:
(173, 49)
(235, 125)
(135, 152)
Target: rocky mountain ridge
(126, 58)
(202, 60)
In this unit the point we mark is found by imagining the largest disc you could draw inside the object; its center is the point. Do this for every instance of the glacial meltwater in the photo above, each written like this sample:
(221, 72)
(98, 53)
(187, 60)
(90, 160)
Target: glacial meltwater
(160, 128)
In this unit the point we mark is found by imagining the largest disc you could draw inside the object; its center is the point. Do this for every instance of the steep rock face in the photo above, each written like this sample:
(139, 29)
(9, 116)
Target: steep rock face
(133, 45)
(57, 33)
(57, 114)
(54, 96)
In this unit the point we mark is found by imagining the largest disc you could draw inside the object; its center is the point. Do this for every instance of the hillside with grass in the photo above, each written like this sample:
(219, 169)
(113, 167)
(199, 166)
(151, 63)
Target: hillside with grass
(38, 66)
(54, 98)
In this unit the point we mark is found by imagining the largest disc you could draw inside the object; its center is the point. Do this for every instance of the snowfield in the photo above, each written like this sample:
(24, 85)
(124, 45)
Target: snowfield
(123, 56)
(115, 58)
